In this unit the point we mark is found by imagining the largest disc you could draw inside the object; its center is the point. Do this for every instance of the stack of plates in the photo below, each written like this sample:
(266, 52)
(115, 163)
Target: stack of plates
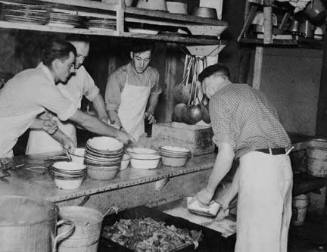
(101, 23)
(103, 157)
(68, 175)
(63, 19)
(174, 155)
(27, 13)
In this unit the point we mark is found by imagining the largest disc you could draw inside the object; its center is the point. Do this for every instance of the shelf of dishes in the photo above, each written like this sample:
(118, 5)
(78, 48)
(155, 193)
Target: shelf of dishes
(96, 18)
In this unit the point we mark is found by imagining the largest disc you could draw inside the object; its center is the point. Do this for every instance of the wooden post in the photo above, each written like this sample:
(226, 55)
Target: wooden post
(257, 72)
(267, 24)
(120, 16)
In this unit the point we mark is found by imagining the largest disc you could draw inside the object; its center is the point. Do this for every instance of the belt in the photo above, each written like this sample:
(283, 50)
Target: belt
(273, 151)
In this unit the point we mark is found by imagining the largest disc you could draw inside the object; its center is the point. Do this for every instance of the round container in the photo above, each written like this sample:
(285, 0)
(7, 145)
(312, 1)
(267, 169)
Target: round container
(29, 225)
(317, 161)
(300, 205)
(68, 183)
(205, 12)
(174, 161)
(102, 173)
(87, 229)
(145, 162)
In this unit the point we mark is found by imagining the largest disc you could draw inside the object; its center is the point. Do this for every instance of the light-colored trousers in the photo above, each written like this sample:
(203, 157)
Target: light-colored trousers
(264, 203)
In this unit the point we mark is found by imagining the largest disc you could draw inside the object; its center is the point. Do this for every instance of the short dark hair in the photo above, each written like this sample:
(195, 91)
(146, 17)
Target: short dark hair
(56, 49)
(210, 70)
(142, 47)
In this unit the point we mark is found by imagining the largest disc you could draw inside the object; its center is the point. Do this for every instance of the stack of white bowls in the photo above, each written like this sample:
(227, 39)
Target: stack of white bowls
(174, 155)
(68, 175)
(103, 157)
(144, 158)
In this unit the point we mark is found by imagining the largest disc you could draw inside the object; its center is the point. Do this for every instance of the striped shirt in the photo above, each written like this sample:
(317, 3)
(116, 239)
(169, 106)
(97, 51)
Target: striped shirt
(116, 83)
(243, 117)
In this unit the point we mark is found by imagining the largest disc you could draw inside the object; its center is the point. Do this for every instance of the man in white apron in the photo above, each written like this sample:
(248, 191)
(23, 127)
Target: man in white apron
(246, 127)
(79, 84)
(33, 91)
(132, 92)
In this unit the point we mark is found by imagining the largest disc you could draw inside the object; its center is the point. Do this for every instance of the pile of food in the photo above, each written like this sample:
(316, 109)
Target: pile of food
(146, 234)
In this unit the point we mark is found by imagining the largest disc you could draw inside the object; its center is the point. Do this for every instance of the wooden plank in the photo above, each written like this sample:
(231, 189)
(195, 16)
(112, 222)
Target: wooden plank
(170, 17)
(76, 3)
(257, 72)
(120, 17)
(174, 38)
(48, 28)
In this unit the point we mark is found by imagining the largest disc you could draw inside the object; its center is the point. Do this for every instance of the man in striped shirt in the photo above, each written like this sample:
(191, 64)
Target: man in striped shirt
(246, 126)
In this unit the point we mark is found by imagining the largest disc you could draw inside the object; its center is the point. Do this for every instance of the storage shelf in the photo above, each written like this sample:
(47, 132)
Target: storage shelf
(125, 17)
(300, 42)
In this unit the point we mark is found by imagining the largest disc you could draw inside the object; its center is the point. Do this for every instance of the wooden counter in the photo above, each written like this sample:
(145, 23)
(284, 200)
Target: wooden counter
(131, 187)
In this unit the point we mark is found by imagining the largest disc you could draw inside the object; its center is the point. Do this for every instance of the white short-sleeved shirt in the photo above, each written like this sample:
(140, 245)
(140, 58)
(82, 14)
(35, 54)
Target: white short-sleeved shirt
(80, 84)
(25, 96)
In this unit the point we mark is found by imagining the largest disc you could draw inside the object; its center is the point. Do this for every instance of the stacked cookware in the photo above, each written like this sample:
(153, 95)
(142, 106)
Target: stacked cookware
(103, 157)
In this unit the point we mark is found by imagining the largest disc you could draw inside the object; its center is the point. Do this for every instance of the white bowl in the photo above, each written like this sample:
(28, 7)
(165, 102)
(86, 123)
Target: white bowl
(145, 163)
(68, 184)
(125, 162)
(174, 161)
(78, 155)
(105, 143)
(69, 166)
(175, 149)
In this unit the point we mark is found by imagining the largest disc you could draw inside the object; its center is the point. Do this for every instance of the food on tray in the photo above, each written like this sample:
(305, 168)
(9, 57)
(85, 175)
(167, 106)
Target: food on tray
(146, 234)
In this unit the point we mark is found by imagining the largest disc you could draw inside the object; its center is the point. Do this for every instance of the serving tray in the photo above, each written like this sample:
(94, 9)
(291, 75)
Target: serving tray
(211, 241)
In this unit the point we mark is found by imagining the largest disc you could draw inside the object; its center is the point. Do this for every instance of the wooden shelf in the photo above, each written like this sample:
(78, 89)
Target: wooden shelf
(126, 17)
(300, 42)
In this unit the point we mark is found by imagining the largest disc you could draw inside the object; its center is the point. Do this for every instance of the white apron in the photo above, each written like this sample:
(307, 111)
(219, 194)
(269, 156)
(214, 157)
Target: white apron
(132, 107)
(264, 203)
(40, 141)
(12, 128)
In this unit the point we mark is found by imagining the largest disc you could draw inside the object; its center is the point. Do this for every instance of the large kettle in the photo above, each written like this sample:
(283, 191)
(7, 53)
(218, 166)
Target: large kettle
(30, 225)
(152, 4)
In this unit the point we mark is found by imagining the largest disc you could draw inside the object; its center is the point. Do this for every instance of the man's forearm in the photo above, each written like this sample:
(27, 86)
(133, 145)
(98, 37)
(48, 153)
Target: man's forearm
(93, 124)
(230, 192)
(153, 101)
(221, 167)
(99, 107)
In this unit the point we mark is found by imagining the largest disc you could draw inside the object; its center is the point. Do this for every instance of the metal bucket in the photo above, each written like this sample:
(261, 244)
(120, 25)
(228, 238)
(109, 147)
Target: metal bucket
(86, 236)
(317, 161)
(29, 225)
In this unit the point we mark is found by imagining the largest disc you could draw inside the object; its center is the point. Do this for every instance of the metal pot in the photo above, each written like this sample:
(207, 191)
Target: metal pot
(30, 225)
(315, 11)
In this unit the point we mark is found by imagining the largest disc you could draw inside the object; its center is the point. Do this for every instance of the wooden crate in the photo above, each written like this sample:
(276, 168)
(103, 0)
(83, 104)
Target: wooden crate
(196, 138)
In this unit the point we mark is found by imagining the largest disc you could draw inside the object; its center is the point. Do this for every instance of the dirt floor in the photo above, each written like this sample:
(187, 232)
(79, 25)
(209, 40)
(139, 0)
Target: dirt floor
(310, 237)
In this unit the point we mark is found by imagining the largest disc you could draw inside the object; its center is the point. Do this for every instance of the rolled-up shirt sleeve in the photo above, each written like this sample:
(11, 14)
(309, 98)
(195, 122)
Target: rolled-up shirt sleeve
(222, 122)
(90, 90)
(113, 91)
(52, 100)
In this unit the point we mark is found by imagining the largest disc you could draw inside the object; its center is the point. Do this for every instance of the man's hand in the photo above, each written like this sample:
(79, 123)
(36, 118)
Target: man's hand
(49, 125)
(204, 196)
(124, 137)
(68, 144)
(150, 117)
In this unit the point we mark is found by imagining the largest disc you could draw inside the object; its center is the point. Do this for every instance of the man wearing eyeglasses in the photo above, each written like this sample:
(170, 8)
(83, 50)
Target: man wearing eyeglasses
(132, 92)
(79, 84)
